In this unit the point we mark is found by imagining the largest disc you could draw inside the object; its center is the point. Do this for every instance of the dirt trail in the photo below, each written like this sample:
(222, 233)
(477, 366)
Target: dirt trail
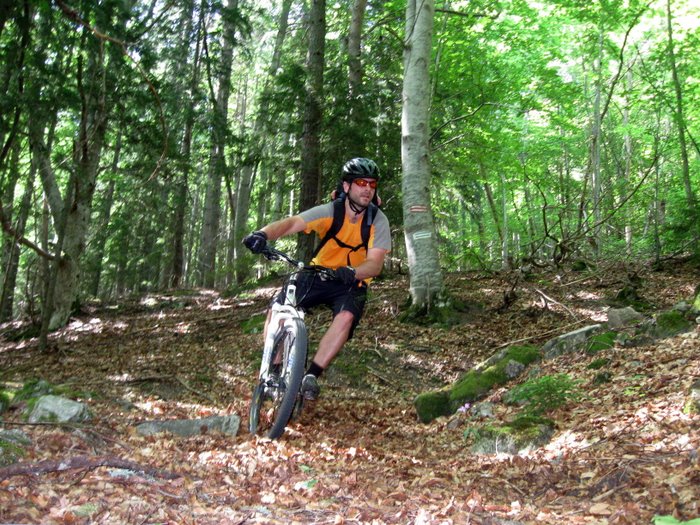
(622, 455)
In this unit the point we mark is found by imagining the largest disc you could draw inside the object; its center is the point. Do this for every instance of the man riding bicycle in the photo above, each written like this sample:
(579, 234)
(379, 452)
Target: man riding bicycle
(355, 239)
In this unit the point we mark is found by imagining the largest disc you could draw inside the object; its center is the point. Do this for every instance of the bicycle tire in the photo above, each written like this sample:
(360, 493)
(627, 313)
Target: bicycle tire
(292, 342)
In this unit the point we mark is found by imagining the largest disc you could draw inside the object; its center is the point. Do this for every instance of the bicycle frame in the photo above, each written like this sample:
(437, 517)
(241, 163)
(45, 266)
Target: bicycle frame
(280, 314)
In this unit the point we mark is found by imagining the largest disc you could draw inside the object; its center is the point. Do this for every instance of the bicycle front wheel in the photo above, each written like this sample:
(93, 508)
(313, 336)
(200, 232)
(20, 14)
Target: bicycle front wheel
(274, 397)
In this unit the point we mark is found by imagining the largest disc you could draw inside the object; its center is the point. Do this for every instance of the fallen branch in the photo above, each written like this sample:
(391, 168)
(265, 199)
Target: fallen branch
(553, 331)
(82, 462)
(548, 299)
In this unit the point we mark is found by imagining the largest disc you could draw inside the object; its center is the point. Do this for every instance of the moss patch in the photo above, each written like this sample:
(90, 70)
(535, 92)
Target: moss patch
(431, 405)
(523, 433)
(597, 364)
(472, 386)
(600, 342)
(671, 323)
(254, 325)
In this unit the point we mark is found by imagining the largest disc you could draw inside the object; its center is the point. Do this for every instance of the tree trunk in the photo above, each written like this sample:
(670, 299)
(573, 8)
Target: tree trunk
(11, 249)
(177, 269)
(217, 160)
(594, 161)
(72, 213)
(628, 163)
(313, 120)
(242, 259)
(358, 122)
(426, 283)
(680, 126)
(104, 214)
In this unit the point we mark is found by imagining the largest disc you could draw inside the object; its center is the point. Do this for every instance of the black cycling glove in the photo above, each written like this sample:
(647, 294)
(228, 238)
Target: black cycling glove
(346, 275)
(256, 241)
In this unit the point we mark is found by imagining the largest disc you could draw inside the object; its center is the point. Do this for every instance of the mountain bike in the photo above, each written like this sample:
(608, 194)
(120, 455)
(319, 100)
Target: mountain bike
(277, 396)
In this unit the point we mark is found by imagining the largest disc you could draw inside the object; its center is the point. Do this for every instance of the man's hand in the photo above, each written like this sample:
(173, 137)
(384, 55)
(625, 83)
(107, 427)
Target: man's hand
(346, 275)
(256, 241)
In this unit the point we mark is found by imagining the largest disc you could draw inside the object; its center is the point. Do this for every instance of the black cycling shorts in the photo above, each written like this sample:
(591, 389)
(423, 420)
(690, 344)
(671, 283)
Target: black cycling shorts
(313, 291)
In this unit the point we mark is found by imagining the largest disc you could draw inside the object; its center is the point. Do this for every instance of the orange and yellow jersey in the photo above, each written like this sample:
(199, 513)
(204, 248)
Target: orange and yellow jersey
(333, 255)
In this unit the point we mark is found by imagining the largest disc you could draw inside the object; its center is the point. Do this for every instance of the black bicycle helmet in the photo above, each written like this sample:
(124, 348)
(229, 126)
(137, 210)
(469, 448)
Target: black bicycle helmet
(360, 168)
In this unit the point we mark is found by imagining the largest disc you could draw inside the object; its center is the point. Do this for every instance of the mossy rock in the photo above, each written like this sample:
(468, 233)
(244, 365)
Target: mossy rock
(696, 304)
(600, 342)
(32, 389)
(597, 364)
(472, 386)
(11, 450)
(254, 325)
(671, 323)
(431, 405)
(629, 296)
(692, 405)
(522, 434)
(602, 378)
(579, 266)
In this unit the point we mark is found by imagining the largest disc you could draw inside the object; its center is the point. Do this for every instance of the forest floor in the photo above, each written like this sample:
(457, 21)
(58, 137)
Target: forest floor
(623, 454)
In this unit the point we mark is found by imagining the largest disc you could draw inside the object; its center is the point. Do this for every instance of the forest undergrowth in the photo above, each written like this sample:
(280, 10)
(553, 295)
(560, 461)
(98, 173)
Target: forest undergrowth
(622, 454)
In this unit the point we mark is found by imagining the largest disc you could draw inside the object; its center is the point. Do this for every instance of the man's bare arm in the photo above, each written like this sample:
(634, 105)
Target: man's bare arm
(373, 264)
(283, 227)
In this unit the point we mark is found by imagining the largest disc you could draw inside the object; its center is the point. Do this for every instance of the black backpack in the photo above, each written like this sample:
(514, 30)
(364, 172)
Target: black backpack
(339, 218)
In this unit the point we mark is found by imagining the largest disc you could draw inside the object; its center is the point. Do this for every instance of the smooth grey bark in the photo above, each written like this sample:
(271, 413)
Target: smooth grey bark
(426, 280)
(313, 119)
(217, 160)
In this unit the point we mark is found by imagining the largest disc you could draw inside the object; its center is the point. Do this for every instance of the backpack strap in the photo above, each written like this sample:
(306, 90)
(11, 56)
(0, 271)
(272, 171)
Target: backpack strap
(338, 218)
(337, 224)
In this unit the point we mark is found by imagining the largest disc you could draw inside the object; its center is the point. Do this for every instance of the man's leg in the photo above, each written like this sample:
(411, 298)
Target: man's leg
(331, 343)
(333, 340)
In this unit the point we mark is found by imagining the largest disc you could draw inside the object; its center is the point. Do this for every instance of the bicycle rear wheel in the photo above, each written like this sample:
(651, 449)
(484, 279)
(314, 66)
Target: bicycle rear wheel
(274, 397)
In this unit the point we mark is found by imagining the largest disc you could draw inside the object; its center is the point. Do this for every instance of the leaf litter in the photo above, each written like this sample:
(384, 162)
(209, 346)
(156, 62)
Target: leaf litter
(622, 455)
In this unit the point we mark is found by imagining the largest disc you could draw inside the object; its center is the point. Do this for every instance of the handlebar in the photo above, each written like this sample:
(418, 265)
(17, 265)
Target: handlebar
(272, 254)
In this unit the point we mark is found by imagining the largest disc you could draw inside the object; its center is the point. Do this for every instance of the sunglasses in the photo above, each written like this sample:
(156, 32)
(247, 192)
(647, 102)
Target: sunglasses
(362, 183)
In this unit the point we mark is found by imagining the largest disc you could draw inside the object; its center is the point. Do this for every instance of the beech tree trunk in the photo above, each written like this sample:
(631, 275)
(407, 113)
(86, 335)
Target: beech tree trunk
(426, 281)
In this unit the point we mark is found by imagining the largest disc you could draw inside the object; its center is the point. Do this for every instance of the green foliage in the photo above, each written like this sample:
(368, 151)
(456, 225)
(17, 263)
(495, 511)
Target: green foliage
(546, 393)
(35, 388)
(5, 400)
(600, 342)
(597, 364)
(670, 520)
(254, 325)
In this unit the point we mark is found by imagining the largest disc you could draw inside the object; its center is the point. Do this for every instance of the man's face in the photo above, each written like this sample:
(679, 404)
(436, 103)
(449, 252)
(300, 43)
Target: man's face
(361, 191)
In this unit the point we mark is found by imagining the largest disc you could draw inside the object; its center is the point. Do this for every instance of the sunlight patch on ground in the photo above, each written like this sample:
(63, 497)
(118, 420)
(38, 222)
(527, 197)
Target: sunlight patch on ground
(566, 441)
(219, 305)
(94, 325)
(594, 315)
